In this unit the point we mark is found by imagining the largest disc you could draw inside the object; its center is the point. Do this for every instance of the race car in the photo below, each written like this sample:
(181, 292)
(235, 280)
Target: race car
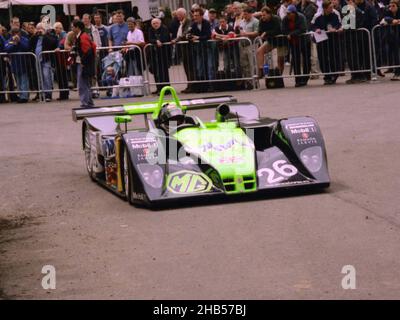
(177, 156)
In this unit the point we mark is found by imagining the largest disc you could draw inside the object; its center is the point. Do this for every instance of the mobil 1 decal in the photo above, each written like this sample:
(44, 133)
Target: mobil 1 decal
(144, 149)
(304, 131)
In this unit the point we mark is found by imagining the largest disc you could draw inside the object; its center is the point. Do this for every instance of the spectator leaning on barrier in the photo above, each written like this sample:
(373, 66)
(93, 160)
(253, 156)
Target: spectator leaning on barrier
(160, 53)
(19, 44)
(16, 24)
(238, 14)
(101, 54)
(391, 25)
(294, 25)
(185, 50)
(309, 9)
(135, 37)
(33, 76)
(118, 31)
(269, 28)
(230, 49)
(369, 20)
(330, 59)
(230, 15)
(203, 53)
(356, 46)
(248, 28)
(174, 25)
(212, 19)
(370, 15)
(61, 61)
(85, 61)
(45, 41)
(213, 48)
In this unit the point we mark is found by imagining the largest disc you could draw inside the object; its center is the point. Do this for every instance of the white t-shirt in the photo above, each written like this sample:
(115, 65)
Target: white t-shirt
(282, 12)
(135, 36)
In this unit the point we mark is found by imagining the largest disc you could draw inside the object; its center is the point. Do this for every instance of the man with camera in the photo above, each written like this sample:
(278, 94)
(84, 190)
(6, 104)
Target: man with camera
(19, 62)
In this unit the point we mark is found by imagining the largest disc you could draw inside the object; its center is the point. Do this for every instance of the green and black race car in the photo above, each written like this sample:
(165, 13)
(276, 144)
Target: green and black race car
(177, 156)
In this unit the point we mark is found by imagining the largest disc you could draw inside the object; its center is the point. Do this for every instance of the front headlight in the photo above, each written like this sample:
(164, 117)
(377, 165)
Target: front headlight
(152, 174)
(312, 158)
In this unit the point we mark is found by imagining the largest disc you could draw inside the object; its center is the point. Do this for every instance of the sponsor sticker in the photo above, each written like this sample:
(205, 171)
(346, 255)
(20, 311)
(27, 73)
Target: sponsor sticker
(184, 182)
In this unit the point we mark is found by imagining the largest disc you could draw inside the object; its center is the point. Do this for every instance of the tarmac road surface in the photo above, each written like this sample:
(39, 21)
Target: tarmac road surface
(279, 248)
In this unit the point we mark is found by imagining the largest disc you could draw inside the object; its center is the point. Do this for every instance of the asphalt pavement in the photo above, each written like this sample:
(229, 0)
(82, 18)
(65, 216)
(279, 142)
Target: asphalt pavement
(288, 247)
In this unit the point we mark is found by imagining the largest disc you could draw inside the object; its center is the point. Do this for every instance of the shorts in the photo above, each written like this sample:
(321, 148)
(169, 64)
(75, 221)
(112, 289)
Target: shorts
(282, 50)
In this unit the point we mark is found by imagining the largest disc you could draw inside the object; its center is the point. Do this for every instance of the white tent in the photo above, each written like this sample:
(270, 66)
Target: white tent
(145, 6)
(6, 3)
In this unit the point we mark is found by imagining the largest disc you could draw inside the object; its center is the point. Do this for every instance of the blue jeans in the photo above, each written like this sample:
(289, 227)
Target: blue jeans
(85, 92)
(22, 84)
(47, 72)
(205, 61)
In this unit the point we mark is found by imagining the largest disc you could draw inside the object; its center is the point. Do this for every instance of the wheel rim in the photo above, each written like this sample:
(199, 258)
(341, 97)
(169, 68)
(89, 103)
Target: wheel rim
(126, 173)
(88, 152)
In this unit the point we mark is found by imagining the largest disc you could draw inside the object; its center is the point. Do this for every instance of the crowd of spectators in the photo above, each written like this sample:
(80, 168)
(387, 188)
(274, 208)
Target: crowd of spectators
(70, 58)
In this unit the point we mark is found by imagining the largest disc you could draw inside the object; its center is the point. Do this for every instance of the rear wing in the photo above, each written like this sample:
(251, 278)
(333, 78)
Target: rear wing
(152, 107)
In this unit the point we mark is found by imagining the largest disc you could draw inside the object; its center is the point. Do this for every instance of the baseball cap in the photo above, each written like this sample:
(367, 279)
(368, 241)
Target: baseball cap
(291, 8)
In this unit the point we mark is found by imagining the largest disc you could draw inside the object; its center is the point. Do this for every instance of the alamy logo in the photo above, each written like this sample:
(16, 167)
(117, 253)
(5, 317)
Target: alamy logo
(49, 18)
(49, 280)
(349, 280)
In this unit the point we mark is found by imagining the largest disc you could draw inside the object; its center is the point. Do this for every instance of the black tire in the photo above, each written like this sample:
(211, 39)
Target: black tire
(127, 174)
(87, 151)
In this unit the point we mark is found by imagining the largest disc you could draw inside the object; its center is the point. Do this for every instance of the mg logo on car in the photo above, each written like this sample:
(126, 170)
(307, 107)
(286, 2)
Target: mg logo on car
(188, 182)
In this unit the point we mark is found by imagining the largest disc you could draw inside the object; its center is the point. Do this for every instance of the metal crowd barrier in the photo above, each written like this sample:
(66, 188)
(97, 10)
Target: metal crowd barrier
(343, 52)
(386, 47)
(19, 75)
(219, 65)
(121, 68)
(210, 65)
(118, 71)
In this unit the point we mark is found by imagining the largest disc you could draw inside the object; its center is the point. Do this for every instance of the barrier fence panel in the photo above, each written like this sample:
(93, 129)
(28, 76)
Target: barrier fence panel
(386, 47)
(19, 76)
(118, 72)
(56, 67)
(342, 52)
(202, 65)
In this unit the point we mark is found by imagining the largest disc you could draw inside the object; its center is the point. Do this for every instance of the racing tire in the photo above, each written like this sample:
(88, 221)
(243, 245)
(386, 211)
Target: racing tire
(88, 152)
(127, 175)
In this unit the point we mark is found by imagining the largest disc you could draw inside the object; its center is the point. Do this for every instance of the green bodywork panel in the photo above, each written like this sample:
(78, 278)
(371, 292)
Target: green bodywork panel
(122, 119)
(227, 149)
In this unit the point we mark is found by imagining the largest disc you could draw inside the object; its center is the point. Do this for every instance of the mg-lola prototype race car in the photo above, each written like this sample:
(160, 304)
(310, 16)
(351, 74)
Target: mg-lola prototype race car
(177, 156)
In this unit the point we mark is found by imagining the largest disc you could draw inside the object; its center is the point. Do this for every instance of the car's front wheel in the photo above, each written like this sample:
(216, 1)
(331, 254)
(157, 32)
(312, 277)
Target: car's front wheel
(88, 152)
(127, 175)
